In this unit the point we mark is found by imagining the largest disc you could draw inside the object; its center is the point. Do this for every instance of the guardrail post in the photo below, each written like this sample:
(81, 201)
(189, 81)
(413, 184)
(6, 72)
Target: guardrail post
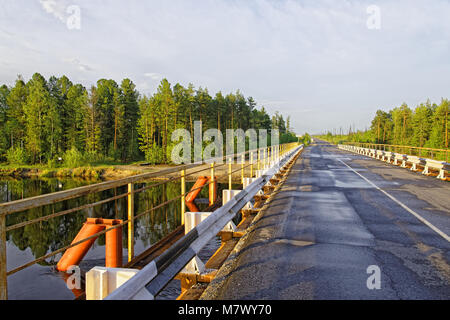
(230, 173)
(242, 167)
(3, 276)
(259, 159)
(211, 200)
(273, 153)
(183, 195)
(265, 157)
(130, 221)
(251, 164)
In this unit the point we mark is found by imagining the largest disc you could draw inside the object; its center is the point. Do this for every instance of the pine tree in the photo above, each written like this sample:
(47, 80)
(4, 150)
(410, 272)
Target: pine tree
(16, 121)
(35, 110)
(92, 127)
(401, 117)
(439, 136)
(106, 89)
(128, 139)
(4, 145)
(421, 124)
(77, 114)
(381, 126)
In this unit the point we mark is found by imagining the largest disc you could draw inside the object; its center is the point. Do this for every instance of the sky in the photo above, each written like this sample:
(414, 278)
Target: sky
(328, 64)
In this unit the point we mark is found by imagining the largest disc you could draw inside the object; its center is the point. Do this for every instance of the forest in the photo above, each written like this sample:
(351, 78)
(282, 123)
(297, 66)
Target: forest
(53, 122)
(427, 125)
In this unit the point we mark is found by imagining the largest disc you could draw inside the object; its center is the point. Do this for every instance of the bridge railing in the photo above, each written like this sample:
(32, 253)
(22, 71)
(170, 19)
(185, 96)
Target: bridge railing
(254, 159)
(416, 163)
(149, 281)
(431, 153)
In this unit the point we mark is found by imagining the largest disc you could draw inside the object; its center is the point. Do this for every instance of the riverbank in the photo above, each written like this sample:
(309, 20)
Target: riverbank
(111, 172)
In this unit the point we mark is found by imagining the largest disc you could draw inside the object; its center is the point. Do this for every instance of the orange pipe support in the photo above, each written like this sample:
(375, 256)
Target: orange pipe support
(192, 207)
(74, 255)
(113, 248)
(197, 188)
(201, 181)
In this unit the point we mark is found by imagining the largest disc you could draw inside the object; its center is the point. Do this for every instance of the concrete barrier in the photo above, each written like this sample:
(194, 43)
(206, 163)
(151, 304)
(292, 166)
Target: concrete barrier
(101, 281)
(416, 161)
(402, 159)
(379, 154)
(442, 166)
(387, 157)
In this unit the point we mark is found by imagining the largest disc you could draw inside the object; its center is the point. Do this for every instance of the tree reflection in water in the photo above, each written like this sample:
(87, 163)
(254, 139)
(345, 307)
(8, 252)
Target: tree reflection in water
(47, 236)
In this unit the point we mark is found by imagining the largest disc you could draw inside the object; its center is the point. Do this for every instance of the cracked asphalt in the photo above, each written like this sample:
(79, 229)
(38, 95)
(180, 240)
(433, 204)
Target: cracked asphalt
(327, 225)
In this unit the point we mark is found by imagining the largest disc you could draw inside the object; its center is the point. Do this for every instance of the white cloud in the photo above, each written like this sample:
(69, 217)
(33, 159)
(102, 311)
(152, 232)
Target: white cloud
(153, 76)
(80, 66)
(55, 7)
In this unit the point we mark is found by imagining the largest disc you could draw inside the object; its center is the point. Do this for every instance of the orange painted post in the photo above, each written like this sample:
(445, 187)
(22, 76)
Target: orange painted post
(75, 254)
(130, 216)
(3, 271)
(113, 247)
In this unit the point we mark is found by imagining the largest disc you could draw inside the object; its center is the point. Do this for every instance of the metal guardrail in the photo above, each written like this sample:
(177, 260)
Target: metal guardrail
(149, 281)
(402, 160)
(259, 158)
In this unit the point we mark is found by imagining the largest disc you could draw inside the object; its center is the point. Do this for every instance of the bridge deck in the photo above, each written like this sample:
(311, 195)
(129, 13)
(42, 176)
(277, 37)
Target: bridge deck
(328, 224)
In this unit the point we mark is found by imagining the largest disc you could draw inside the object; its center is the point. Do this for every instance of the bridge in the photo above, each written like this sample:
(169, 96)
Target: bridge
(322, 222)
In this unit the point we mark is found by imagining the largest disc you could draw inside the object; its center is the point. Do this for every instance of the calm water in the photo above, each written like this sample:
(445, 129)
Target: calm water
(42, 281)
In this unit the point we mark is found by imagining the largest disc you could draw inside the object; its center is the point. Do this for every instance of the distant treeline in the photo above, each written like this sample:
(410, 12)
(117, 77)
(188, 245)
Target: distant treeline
(428, 125)
(43, 120)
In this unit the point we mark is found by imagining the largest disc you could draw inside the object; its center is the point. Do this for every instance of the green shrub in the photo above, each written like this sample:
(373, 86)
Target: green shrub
(92, 157)
(53, 163)
(16, 156)
(73, 158)
(154, 155)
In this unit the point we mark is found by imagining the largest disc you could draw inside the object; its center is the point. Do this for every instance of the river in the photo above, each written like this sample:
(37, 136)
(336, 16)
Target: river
(41, 280)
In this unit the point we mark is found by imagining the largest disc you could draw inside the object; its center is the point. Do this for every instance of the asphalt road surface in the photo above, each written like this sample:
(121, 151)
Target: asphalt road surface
(337, 220)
